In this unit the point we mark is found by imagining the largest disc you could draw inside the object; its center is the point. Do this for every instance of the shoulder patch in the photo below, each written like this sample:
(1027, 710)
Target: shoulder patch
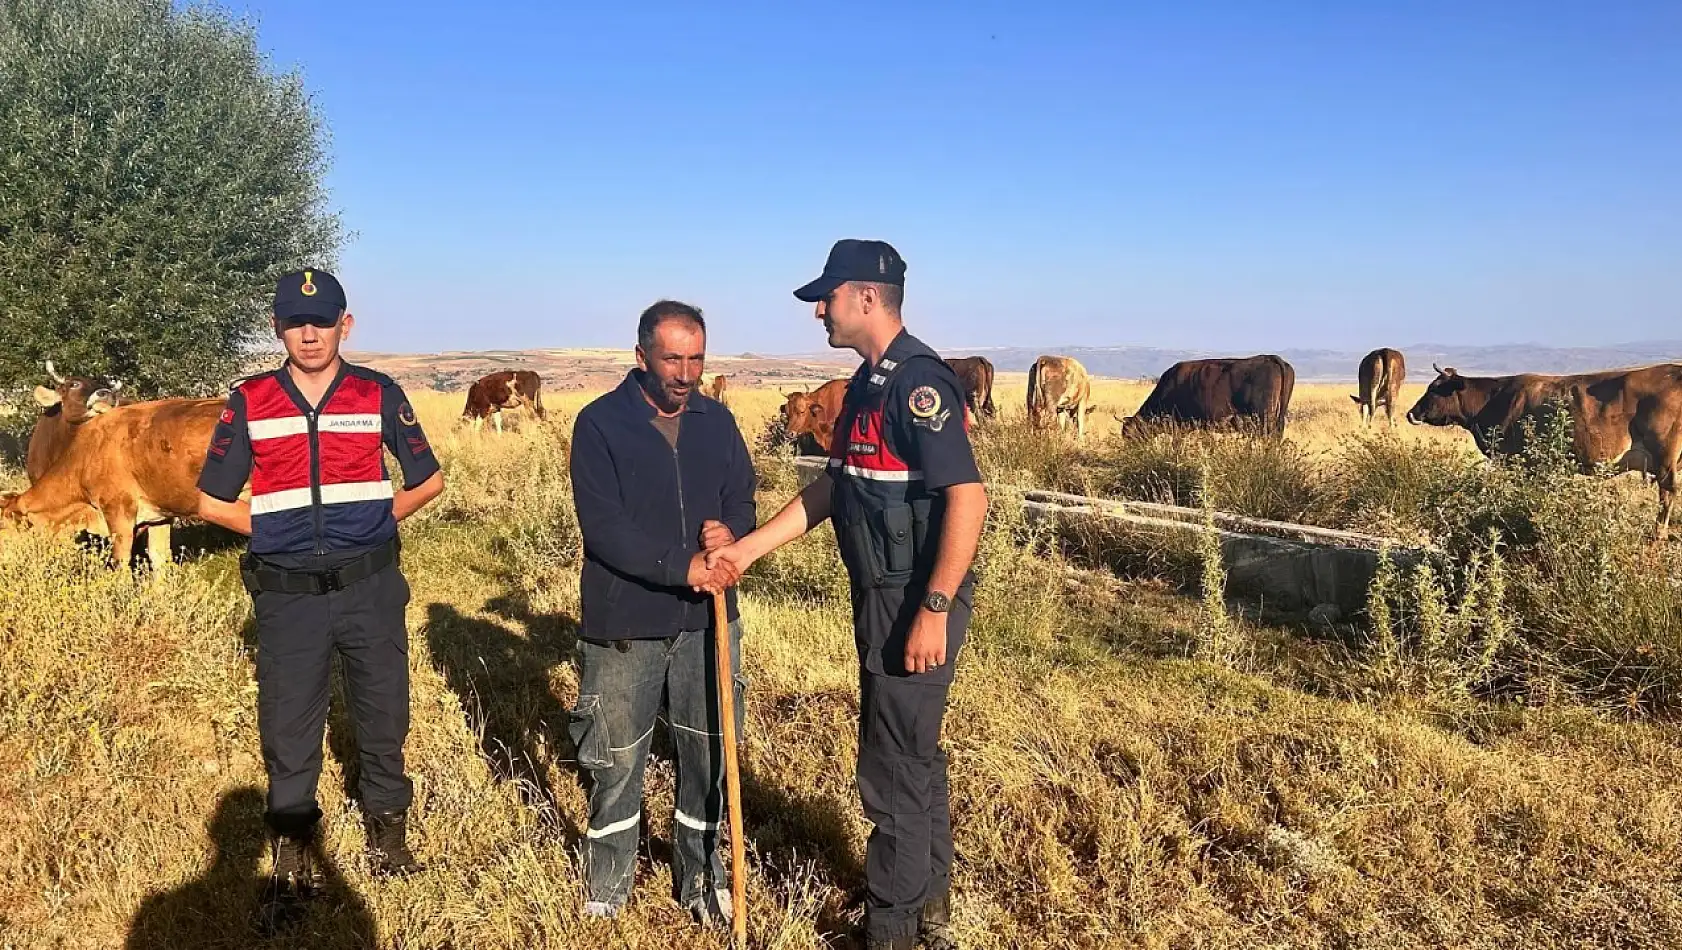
(924, 402)
(227, 415)
(406, 414)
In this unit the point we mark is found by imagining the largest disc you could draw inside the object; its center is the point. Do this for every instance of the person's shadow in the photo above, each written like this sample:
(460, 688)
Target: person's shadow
(222, 907)
(503, 682)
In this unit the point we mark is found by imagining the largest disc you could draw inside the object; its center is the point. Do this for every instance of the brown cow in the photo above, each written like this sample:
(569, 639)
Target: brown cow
(508, 389)
(814, 413)
(1632, 417)
(715, 389)
(1252, 390)
(72, 401)
(131, 468)
(1059, 386)
(975, 374)
(1381, 375)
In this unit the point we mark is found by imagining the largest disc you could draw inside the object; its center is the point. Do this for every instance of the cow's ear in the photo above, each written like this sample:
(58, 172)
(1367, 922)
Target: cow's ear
(46, 398)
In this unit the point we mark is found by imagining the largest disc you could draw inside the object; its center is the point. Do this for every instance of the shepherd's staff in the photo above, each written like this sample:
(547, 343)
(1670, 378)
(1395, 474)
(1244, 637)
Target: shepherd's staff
(732, 775)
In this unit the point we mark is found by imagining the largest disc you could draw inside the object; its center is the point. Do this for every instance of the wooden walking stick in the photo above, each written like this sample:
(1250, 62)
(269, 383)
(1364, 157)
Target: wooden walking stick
(732, 773)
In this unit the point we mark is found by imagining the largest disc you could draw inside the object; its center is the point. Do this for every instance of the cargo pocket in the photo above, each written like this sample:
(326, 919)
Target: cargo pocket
(896, 542)
(589, 734)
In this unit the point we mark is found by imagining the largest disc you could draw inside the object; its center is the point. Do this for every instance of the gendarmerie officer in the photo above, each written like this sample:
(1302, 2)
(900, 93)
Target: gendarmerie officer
(322, 567)
(908, 506)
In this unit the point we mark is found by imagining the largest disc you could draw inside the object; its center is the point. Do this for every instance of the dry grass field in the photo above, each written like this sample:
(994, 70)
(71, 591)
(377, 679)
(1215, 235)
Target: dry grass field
(1500, 771)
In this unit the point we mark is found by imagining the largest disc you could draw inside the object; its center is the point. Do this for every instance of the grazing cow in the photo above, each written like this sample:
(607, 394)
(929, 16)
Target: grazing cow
(72, 401)
(813, 414)
(134, 467)
(1632, 418)
(1059, 386)
(1381, 377)
(1253, 390)
(508, 389)
(716, 388)
(975, 374)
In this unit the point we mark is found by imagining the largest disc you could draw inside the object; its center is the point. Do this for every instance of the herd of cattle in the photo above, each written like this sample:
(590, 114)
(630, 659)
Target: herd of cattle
(100, 462)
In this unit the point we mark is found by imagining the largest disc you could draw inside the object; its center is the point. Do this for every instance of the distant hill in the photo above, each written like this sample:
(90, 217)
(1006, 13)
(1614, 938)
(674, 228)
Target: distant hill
(1136, 362)
(587, 369)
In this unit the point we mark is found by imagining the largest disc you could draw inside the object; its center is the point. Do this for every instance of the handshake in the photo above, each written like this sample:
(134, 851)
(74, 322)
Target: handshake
(720, 563)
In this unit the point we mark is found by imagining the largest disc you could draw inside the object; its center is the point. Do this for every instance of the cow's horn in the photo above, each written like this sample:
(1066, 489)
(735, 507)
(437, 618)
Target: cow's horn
(53, 373)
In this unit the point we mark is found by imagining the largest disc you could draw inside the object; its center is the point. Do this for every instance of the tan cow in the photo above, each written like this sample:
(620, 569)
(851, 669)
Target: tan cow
(1058, 386)
(1632, 418)
(1380, 375)
(715, 389)
(134, 467)
(508, 389)
(71, 401)
(814, 413)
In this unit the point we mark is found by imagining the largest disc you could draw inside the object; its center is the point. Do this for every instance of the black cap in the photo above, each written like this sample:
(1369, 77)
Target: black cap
(308, 293)
(851, 259)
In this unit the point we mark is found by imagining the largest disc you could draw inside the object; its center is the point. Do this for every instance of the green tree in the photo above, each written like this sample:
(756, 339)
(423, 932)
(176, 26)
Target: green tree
(156, 176)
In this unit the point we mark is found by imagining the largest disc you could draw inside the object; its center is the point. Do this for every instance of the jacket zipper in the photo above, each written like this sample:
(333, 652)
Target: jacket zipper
(315, 483)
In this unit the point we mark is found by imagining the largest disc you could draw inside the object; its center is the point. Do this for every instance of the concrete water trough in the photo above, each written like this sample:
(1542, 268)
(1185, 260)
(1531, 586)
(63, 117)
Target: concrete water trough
(1283, 566)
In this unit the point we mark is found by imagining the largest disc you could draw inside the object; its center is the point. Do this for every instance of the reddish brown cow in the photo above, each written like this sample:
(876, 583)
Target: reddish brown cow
(975, 374)
(1632, 418)
(133, 467)
(508, 389)
(814, 413)
(1380, 377)
(1059, 391)
(72, 401)
(1253, 390)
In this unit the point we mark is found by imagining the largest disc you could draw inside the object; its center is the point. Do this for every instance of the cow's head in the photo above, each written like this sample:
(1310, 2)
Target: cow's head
(1132, 427)
(1441, 405)
(76, 399)
(803, 414)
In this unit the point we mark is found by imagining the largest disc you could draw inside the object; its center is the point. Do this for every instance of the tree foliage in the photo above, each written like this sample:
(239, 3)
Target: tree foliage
(155, 178)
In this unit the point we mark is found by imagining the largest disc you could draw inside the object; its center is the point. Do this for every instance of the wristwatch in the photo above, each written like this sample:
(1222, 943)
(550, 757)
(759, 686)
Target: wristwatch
(937, 602)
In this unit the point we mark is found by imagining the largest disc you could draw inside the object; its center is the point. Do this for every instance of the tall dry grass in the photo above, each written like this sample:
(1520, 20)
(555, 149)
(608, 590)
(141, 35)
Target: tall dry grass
(1107, 794)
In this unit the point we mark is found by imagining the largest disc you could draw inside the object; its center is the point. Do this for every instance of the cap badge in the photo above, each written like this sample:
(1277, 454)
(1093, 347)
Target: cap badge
(308, 289)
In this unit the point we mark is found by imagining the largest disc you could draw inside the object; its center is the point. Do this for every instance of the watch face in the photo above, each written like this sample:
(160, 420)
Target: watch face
(937, 601)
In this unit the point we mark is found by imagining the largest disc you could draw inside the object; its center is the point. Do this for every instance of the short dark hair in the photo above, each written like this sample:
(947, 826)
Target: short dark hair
(661, 312)
(893, 295)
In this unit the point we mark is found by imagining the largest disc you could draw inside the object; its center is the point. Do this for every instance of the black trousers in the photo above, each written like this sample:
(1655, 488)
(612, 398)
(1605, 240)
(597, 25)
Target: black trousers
(297, 635)
(901, 767)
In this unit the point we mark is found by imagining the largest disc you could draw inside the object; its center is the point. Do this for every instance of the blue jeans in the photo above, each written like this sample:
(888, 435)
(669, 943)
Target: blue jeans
(620, 694)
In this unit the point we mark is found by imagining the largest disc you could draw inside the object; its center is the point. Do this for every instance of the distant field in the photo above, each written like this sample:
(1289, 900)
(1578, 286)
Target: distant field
(1502, 776)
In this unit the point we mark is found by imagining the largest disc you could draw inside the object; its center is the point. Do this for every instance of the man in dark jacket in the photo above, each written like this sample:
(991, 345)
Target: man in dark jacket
(660, 475)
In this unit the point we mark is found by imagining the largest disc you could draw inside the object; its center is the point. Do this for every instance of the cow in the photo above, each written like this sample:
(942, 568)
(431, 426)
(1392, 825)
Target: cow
(71, 401)
(1380, 376)
(975, 374)
(715, 389)
(131, 468)
(814, 414)
(508, 389)
(1058, 385)
(1630, 417)
(1248, 391)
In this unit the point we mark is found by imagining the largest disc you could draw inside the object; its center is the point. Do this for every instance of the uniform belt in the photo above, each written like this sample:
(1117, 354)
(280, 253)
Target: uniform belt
(259, 576)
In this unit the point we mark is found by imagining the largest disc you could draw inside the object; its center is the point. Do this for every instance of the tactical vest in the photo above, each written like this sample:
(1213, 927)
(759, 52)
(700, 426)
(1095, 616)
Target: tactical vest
(884, 516)
(318, 478)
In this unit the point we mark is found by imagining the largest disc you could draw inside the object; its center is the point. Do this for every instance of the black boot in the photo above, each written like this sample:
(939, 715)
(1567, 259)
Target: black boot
(294, 879)
(388, 847)
(893, 943)
(935, 927)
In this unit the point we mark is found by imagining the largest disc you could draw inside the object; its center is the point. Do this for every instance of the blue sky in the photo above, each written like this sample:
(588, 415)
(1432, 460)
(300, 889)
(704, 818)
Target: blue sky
(1227, 176)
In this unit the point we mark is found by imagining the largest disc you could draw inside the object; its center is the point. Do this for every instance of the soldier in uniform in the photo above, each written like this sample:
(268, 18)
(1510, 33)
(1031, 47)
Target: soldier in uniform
(322, 567)
(908, 507)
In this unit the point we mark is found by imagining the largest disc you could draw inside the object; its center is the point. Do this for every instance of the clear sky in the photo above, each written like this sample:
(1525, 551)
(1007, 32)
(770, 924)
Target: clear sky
(1231, 176)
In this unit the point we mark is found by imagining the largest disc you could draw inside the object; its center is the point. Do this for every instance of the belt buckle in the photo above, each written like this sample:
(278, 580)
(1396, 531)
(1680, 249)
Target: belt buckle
(330, 581)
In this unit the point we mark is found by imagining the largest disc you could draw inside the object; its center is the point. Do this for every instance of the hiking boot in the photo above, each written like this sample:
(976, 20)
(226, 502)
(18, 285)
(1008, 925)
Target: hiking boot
(294, 880)
(388, 847)
(893, 943)
(935, 925)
